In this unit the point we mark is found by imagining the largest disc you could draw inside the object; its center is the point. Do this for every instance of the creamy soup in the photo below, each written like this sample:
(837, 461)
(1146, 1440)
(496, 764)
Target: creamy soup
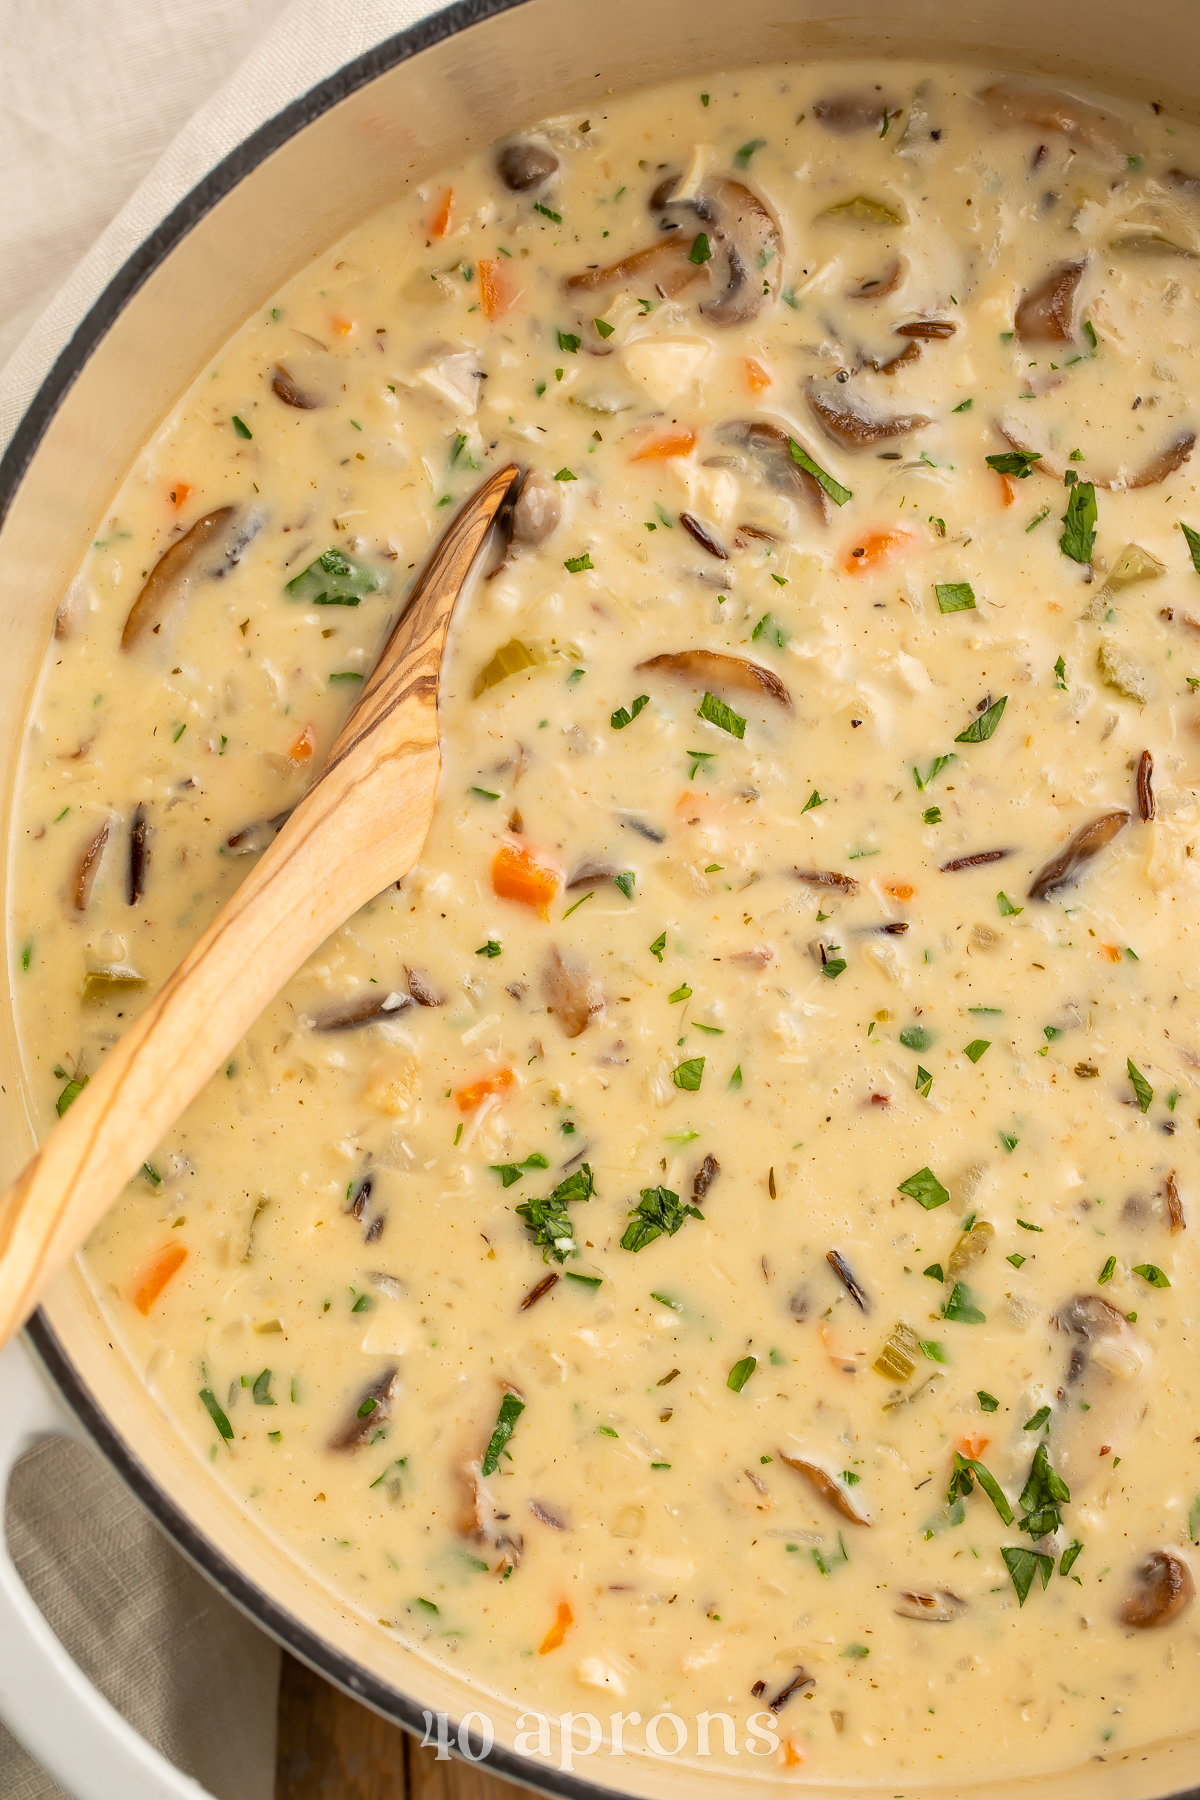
(720, 1234)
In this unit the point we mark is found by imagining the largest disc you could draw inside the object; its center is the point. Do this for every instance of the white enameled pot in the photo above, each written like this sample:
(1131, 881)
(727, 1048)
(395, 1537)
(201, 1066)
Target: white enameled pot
(451, 84)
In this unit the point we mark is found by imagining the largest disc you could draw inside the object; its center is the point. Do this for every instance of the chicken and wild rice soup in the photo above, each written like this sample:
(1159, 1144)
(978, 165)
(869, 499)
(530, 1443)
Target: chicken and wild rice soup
(720, 1234)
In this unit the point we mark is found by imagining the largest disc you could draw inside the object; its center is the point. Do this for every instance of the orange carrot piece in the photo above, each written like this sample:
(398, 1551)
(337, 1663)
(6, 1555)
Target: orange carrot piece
(972, 1444)
(1008, 491)
(558, 1631)
(667, 443)
(302, 747)
(470, 1096)
(496, 290)
(439, 225)
(792, 1754)
(517, 875)
(900, 890)
(156, 1275)
(878, 547)
(1111, 951)
(181, 493)
(757, 378)
(341, 324)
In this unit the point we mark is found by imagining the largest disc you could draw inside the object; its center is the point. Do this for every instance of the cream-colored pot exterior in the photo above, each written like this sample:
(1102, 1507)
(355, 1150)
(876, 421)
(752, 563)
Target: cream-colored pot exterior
(456, 82)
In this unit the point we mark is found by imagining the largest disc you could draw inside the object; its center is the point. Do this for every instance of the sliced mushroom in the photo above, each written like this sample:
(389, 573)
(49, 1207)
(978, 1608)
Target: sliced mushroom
(88, 867)
(1012, 103)
(539, 1289)
(937, 1606)
(1104, 1388)
(373, 1409)
(927, 328)
(745, 254)
(849, 112)
(758, 958)
(827, 878)
(1164, 1588)
(423, 990)
(877, 286)
(139, 832)
(771, 447)
(525, 164)
(548, 1516)
(1174, 1203)
(363, 1009)
(286, 389)
(537, 509)
(855, 430)
(1046, 314)
(1145, 785)
(825, 1487)
(704, 1177)
(794, 1685)
(572, 993)
(170, 569)
(479, 1521)
(1068, 864)
(911, 353)
(716, 669)
(590, 873)
(974, 861)
(1165, 463)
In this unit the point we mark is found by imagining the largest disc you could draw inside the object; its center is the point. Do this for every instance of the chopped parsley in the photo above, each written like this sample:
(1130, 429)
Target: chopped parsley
(659, 945)
(510, 1172)
(717, 713)
(741, 1372)
(688, 1075)
(955, 596)
(215, 1413)
(1141, 1087)
(962, 1482)
(1060, 675)
(623, 717)
(934, 770)
(1193, 544)
(548, 1220)
(658, 1212)
(1038, 1420)
(603, 327)
(925, 1188)
(241, 427)
(960, 1308)
(510, 1411)
(1079, 524)
(1014, 462)
(976, 1048)
(742, 157)
(1023, 1565)
(332, 580)
(1007, 909)
(1152, 1273)
(981, 728)
(923, 1084)
(575, 565)
(491, 948)
(625, 881)
(701, 250)
(568, 341)
(837, 493)
(814, 800)
(546, 213)
(987, 1401)
(1107, 1272)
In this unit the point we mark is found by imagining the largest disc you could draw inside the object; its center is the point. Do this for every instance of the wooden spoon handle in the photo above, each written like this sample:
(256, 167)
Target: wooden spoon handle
(361, 826)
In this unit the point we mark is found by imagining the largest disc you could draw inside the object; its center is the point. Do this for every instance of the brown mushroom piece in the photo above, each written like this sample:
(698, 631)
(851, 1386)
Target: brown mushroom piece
(1013, 103)
(911, 353)
(927, 328)
(716, 669)
(825, 1487)
(704, 1177)
(1164, 1588)
(877, 286)
(1145, 785)
(937, 1606)
(855, 430)
(169, 572)
(423, 990)
(479, 1521)
(285, 388)
(251, 840)
(706, 539)
(1174, 1203)
(1046, 313)
(572, 993)
(743, 265)
(827, 878)
(590, 873)
(1068, 864)
(524, 164)
(88, 867)
(363, 1009)
(373, 1409)
(771, 448)
(850, 112)
(1165, 463)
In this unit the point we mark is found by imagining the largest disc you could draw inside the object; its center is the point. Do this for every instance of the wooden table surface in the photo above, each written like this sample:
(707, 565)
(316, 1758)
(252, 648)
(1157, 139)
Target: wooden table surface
(331, 1748)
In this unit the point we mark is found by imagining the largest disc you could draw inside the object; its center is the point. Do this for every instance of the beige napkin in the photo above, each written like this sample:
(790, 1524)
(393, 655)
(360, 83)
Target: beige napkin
(100, 137)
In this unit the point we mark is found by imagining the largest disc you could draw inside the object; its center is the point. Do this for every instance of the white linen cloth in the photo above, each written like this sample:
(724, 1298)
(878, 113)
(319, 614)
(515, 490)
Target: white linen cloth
(94, 152)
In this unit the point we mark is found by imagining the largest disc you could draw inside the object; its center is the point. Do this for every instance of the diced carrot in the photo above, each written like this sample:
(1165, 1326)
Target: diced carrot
(439, 225)
(517, 875)
(900, 890)
(341, 324)
(496, 288)
(181, 493)
(757, 378)
(558, 1631)
(476, 1091)
(302, 747)
(156, 1275)
(668, 443)
(877, 547)
(1007, 490)
(792, 1755)
(1111, 952)
(972, 1444)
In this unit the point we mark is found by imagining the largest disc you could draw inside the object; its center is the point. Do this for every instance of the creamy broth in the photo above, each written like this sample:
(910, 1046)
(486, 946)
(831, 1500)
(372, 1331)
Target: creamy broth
(809, 910)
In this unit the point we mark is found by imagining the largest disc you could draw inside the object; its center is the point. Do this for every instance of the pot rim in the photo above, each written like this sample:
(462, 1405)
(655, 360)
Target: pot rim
(212, 1562)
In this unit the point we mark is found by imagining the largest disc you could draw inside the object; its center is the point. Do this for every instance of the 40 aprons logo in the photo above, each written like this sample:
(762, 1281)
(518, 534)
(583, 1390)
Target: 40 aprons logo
(666, 1734)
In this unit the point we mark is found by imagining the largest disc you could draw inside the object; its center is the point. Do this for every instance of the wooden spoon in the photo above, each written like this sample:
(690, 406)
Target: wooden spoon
(360, 827)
